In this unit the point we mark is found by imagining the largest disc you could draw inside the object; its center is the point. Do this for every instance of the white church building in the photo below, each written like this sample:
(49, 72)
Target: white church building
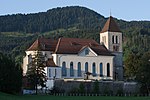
(80, 59)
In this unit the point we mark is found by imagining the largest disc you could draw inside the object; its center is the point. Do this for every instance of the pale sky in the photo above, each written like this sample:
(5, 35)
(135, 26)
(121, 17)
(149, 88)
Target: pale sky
(121, 9)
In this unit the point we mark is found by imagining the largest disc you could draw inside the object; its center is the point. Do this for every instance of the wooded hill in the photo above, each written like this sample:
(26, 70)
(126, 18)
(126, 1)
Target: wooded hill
(18, 31)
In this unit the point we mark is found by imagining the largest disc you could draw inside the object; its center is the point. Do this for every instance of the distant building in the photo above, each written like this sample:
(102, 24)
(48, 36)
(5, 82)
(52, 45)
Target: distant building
(79, 59)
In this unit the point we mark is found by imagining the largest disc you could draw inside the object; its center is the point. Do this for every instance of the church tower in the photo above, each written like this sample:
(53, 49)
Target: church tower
(111, 37)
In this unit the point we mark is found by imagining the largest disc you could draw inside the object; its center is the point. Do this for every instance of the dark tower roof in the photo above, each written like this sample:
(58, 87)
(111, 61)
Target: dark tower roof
(110, 26)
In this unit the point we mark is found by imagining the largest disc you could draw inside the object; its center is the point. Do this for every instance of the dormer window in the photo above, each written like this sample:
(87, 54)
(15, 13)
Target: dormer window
(86, 52)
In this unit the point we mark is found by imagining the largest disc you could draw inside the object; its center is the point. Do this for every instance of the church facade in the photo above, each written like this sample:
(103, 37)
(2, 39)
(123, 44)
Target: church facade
(80, 59)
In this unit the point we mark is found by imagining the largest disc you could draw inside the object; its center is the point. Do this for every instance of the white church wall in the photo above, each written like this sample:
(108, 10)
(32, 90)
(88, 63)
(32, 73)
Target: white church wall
(24, 66)
(83, 59)
(53, 72)
(104, 39)
(55, 57)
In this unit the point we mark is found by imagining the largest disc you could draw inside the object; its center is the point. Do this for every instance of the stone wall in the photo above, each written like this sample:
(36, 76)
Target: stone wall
(105, 87)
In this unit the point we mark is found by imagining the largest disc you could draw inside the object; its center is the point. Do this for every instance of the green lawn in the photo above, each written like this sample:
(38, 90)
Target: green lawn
(48, 97)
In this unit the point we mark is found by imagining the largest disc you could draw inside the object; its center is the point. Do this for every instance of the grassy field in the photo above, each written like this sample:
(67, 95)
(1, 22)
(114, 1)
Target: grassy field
(48, 97)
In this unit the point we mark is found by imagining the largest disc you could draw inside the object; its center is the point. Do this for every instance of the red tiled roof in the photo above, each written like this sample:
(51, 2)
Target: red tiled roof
(110, 26)
(43, 44)
(74, 46)
(68, 46)
(50, 63)
(101, 50)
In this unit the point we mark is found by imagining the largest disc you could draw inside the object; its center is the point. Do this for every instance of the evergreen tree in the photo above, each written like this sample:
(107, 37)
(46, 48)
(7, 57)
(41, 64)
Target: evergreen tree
(36, 73)
(132, 63)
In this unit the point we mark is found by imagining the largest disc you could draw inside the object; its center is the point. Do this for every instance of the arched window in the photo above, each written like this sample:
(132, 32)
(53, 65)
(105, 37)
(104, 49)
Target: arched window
(55, 72)
(116, 39)
(93, 69)
(71, 69)
(108, 70)
(29, 58)
(64, 70)
(49, 72)
(86, 67)
(113, 39)
(101, 69)
(79, 69)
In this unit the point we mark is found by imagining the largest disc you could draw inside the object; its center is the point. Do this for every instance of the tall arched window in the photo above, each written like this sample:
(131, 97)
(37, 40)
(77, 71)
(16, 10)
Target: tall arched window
(101, 69)
(93, 69)
(113, 39)
(116, 39)
(79, 69)
(49, 72)
(108, 70)
(71, 69)
(64, 70)
(86, 67)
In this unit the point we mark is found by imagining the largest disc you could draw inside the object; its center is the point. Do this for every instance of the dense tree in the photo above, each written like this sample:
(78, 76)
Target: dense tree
(144, 73)
(56, 18)
(10, 75)
(36, 73)
(137, 69)
(132, 63)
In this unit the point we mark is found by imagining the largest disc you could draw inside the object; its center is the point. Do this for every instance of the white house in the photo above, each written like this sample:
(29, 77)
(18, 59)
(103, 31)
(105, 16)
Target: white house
(79, 59)
(52, 72)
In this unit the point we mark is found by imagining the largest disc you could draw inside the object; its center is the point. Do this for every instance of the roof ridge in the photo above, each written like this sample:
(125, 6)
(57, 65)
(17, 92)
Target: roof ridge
(57, 46)
(38, 44)
(76, 38)
(35, 43)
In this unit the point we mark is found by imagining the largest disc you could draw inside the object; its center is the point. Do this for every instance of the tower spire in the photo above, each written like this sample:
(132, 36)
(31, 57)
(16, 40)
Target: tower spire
(110, 12)
(110, 26)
